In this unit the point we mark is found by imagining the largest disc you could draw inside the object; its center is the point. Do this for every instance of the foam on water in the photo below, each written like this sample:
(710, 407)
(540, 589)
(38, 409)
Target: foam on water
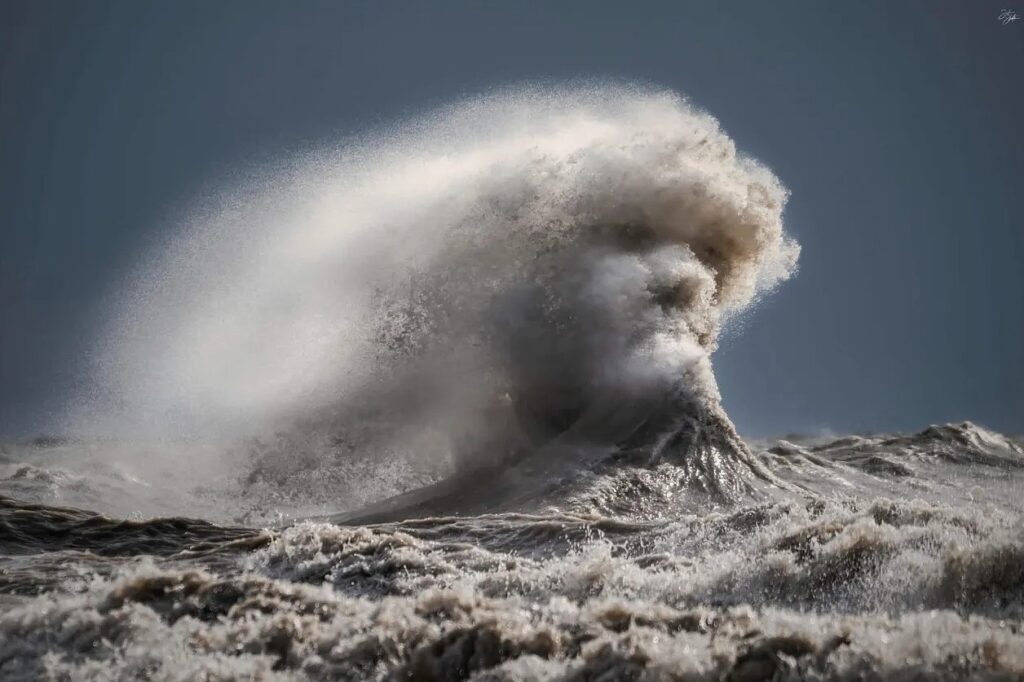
(461, 372)
(848, 580)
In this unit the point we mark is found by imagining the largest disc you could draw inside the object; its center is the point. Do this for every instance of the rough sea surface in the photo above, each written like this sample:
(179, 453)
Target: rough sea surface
(439, 404)
(891, 557)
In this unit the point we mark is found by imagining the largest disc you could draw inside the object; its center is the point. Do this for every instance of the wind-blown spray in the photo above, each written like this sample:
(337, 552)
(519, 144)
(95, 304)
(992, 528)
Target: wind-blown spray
(533, 276)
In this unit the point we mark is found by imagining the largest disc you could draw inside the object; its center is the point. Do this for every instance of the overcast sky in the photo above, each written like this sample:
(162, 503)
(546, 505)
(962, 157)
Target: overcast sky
(898, 128)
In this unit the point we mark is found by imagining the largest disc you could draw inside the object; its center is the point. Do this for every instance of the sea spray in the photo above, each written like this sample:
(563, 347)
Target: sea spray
(531, 275)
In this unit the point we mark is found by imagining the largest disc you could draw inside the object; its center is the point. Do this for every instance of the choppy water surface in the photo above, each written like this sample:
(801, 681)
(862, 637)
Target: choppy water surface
(443, 401)
(892, 557)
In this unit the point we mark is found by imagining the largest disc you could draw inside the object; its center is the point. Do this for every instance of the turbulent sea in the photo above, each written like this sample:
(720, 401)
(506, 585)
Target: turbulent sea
(902, 558)
(438, 403)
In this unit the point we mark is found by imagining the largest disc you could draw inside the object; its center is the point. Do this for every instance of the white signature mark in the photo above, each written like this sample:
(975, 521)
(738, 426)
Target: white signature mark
(1007, 16)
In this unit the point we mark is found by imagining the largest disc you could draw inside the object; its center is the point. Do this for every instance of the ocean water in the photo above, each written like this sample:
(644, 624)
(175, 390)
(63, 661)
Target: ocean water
(438, 403)
(897, 557)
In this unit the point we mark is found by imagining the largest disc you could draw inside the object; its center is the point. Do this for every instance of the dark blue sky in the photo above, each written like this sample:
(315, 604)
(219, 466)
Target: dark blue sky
(898, 127)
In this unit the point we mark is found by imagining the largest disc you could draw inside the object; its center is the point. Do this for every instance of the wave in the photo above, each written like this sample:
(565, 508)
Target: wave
(33, 528)
(877, 574)
(197, 624)
(877, 590)
(510, 290)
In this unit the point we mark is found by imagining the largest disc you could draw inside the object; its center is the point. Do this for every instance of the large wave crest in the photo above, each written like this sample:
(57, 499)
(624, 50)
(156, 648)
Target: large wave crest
(529, 284)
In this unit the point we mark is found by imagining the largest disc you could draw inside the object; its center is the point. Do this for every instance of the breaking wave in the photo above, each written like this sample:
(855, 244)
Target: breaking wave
(479, 346)
(518, 288)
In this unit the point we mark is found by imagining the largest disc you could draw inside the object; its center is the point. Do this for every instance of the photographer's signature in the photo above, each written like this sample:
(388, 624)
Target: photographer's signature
(1007, 16)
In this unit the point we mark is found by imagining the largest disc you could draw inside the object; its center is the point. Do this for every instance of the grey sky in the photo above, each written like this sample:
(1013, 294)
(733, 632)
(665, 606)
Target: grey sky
(898, 127)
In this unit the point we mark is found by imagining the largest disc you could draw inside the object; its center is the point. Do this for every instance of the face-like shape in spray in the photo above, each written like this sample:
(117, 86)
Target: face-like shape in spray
(508, 263)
